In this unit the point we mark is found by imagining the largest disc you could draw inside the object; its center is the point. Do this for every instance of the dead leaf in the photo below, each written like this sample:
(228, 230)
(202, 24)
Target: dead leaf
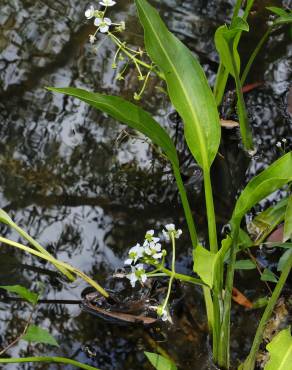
(277, 235)
(250, 87)
(228, 123)
(240, 298)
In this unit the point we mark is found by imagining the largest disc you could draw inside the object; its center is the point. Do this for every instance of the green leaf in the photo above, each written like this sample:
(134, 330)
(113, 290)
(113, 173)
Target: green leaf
(126, 112)
(6, 219)
(160, 362)
(226, 45)
(280, 349)
(265, 222)
(36, 334)
(272, 178)
(282, 261)
(187, 85)
(268, 275)
(288, 221)
(24, 293)
(205, 264)
(277, 10)
(283, 20)
(244, 265)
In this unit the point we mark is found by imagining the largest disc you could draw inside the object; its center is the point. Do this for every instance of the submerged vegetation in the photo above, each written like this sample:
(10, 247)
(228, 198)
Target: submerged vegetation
(182, 79)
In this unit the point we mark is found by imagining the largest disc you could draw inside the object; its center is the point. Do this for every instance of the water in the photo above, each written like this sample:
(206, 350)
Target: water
(68, 179)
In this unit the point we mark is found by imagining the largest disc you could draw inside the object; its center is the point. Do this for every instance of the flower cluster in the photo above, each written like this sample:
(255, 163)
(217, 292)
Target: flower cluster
(150, 252)
(102, 23)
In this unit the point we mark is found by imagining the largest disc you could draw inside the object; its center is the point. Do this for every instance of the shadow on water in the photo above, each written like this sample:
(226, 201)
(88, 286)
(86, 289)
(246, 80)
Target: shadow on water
(68, 178)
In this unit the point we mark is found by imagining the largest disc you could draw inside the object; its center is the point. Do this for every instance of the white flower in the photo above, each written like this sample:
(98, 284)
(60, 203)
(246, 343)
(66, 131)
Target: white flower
(135, 253)
(89, 13)
(103, 24)
(153, 249)
(284, 140)
(137, 274)
(92, 39)
(278, 144)
(150, 238)
(107, 3)
(171, 230)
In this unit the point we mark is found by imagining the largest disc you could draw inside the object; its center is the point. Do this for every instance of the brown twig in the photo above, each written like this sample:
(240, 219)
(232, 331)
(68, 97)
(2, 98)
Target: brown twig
(15, 341)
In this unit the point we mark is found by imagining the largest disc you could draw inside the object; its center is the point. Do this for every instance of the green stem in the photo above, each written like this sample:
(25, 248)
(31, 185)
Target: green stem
(61, 360)
(182, 277)
(254, 55)
(210, 212)
(186, 205)
(224, 343)
(245, 129)
(172, 276)
(250, 360)
(57, 263)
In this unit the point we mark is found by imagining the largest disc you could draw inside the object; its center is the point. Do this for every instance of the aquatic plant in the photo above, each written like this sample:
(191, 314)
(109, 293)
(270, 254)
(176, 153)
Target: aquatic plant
(188, 90)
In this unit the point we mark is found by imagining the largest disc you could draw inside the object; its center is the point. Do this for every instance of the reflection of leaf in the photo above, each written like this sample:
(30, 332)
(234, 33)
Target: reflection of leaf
(244, 265)
(288, 221)
(280, 350)
(36, 334)
(187, 85)
(268, 275)
(160, 362)
(22, 292)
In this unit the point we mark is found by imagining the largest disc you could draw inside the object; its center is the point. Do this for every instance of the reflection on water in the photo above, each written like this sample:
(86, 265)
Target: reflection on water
(85, 194)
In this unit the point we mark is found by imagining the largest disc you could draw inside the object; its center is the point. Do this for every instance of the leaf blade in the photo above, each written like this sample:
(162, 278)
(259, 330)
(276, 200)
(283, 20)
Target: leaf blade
(288, 221)
(280, 349)
(187, 85)
(160, 362)
(35, 334)
(23, 292)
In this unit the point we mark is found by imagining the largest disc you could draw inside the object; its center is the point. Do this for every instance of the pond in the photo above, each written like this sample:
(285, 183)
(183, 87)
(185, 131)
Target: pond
(87, 188)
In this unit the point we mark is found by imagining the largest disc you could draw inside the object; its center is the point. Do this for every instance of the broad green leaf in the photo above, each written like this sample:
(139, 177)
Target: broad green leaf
(226, 45)
(22, 292)
(288, 221)
(160, 362)
(282, 261)
(280, 349)
(36, 334)
(128, 113)
(244, 265)
(187, 85)
(265, 222)
(272, 178)
(268, 275)
(205, 264)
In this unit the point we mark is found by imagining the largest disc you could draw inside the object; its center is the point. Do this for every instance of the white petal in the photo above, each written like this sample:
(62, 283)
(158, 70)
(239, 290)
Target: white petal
(150, 232)
(157, 255)
(128, 261)
(140, 266)
(166, 235)
(170, 227)
(103, 29)
(107, 21)
(155, 240)
(97, 21)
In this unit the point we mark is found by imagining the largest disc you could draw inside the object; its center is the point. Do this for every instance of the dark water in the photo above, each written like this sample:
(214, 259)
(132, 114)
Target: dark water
(68, 179)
